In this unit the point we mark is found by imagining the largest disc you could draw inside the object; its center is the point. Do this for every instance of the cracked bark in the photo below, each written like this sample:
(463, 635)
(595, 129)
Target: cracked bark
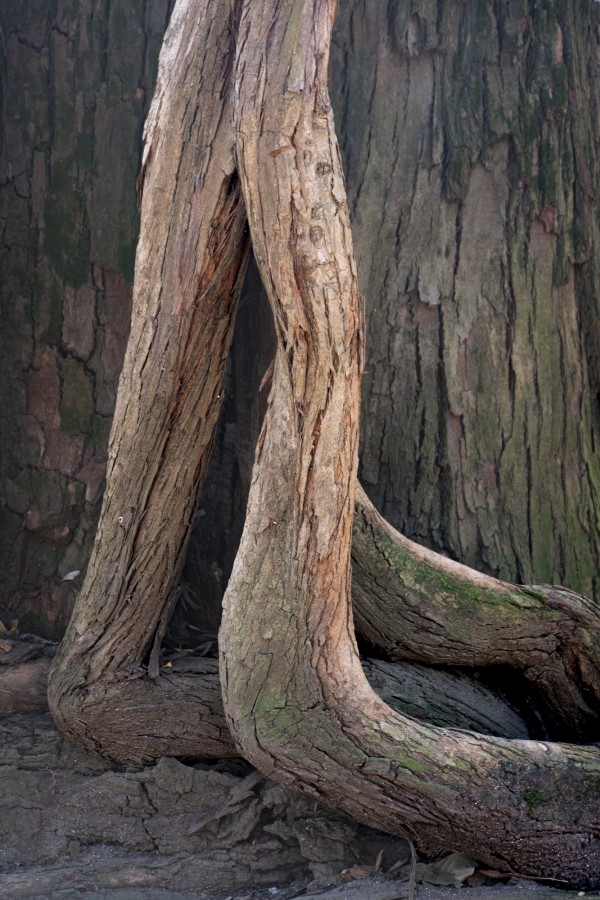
(432, 129)
(412, 603)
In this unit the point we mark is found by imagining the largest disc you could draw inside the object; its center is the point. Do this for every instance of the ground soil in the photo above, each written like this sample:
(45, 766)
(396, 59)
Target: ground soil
(74, 825)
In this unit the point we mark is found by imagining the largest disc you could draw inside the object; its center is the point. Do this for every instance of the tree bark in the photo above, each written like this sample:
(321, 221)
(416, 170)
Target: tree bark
(297, 702)
(469, 137)
(190, 262)
(449, 699)
(430, 94)
(76, 81)
(296, 697)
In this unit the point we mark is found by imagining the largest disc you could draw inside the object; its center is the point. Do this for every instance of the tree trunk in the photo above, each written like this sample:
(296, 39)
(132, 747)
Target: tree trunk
(295, 694)
(453, 480)
(411, 603)
(469, 136)
(189, 267)
(479, 484)
(295, 697)
(79, 79)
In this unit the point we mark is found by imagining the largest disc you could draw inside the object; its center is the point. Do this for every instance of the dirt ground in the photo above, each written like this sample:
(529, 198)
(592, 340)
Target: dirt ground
(74, 825)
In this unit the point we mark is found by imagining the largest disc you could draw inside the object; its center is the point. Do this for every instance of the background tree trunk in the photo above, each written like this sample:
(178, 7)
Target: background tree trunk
(77, 79)
(470, 139)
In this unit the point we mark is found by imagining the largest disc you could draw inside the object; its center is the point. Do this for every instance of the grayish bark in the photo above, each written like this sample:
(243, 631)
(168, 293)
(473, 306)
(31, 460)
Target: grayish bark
(470, 139)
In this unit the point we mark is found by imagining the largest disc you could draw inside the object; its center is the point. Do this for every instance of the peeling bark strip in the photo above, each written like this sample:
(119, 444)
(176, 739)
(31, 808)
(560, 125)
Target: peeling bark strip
(190, 261)
(295, 696)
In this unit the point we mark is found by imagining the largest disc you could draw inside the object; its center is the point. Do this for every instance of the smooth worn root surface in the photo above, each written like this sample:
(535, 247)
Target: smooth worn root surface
(412, 603)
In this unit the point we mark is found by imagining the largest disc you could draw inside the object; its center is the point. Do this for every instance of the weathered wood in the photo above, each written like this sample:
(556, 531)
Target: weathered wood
(190, 260)
(442, 698)
(297, 699)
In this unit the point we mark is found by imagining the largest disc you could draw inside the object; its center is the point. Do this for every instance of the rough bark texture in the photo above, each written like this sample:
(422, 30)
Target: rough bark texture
(76, 82)
(472, 158)
(478, 484)
(222, 506)
(189, 265)
(295, 697)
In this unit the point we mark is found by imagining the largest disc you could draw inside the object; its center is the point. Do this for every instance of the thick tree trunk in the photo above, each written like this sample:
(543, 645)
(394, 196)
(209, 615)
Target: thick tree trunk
(294, 693)
(402, 82)
(469, 136)
(75, 83)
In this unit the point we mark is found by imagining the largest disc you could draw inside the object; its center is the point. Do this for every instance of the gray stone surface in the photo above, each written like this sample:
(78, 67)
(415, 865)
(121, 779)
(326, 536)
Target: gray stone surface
(74, 825)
